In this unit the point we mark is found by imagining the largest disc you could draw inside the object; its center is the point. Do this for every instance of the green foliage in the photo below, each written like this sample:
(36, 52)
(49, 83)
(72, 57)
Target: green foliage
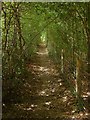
(66, 28)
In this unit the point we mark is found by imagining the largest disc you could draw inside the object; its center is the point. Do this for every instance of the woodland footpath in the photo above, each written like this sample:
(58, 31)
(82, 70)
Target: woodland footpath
(46, 60)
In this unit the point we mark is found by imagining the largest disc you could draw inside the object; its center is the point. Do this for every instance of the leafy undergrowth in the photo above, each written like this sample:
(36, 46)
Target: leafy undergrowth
(42, 94)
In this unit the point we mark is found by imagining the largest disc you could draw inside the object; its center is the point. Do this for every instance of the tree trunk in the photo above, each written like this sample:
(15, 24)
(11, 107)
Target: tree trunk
(62, 61)
(78, 77)
(79, 100)
(88, 52)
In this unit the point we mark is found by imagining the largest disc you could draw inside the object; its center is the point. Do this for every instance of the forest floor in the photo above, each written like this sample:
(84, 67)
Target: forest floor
(44, 95)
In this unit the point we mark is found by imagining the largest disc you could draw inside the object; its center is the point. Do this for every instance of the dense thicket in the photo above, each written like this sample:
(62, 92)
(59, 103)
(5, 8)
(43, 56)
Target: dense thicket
(65, 28)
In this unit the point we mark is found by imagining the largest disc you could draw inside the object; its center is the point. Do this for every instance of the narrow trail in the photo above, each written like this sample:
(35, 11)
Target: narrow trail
(44, 94)
(48, 94)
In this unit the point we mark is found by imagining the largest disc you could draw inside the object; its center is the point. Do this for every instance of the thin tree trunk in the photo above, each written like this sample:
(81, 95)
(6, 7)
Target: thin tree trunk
(78, 77)
(62, 61)
(88, 52)
(79, 100)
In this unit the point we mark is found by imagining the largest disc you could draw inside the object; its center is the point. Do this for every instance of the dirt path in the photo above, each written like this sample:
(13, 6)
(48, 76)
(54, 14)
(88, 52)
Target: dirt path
(48, 95)
(43, 95)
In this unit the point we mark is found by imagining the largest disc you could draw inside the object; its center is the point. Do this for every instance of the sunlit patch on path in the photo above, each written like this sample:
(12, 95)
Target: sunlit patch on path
(43, 52)
(42, 69)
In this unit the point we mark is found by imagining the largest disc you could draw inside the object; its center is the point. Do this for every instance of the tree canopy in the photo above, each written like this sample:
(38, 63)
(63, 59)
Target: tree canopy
(63, 28)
